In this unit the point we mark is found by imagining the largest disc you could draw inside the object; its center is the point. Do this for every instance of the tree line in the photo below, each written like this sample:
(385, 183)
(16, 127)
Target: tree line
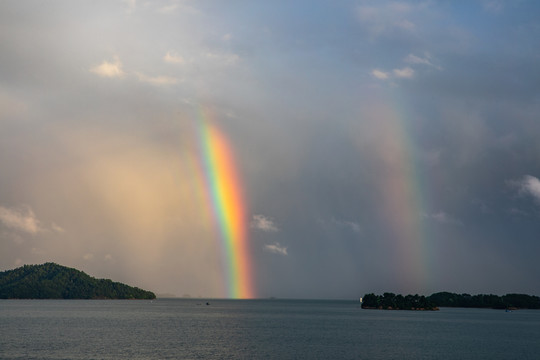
(447, 299)
(391, 301)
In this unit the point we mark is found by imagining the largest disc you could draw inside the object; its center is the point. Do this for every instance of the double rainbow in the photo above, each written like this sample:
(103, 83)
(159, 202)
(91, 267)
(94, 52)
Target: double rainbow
(224, 190)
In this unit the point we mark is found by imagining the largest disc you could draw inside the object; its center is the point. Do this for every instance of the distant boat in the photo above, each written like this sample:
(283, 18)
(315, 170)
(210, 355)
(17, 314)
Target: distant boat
(360, 299)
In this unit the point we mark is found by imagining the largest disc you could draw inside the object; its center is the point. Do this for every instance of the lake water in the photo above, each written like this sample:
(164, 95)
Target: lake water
(258, 329)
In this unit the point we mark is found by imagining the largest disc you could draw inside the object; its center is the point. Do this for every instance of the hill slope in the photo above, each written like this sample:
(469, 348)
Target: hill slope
(53, 281)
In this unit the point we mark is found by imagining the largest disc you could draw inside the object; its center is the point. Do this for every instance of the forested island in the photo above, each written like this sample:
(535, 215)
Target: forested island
(53, 281)
(390, 301)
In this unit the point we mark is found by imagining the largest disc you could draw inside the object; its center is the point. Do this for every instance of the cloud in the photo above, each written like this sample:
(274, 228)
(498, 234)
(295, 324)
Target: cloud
(157, 80)
(109, 69)
(173, 58)
(528, 185)
(88, 256)
(22, 220)
(406, 73)
(276, 248)
(115, 70)
(380, 74)
(417, 60)
(352, 225)
(443, 218)
(263, 223)
(211, 58)
(222, 58)
(386, 19)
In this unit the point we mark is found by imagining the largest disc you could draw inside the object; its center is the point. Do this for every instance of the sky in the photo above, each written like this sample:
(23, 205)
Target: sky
(379, 145)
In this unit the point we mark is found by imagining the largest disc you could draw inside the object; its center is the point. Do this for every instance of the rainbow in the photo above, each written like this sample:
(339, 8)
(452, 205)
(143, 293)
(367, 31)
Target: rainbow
(402, 196)
(224, 190)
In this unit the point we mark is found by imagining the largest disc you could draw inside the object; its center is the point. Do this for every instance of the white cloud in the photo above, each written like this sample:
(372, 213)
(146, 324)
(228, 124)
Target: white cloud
(529, 185)
(109, 69)
(173, 58)
(417, 60)
(413, 59)
(380, 74)
(157, 80)
(406, 73)
(443, 218)
(352, 225)
(276, 248)
(263, 223)
(211, 58)
(24, 220)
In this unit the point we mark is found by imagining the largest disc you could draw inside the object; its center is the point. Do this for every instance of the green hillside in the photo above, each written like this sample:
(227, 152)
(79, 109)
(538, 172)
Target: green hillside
(53, 281)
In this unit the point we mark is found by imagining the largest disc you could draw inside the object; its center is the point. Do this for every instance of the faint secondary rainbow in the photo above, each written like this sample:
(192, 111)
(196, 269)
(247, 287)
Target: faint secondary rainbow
(225, 193)
(403, 196)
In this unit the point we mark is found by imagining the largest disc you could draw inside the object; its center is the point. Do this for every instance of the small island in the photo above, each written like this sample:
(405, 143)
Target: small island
(53, 281)
(390, 301)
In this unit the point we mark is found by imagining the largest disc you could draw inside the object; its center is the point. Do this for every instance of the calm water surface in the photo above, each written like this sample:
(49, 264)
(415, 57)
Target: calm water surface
(258, 329)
